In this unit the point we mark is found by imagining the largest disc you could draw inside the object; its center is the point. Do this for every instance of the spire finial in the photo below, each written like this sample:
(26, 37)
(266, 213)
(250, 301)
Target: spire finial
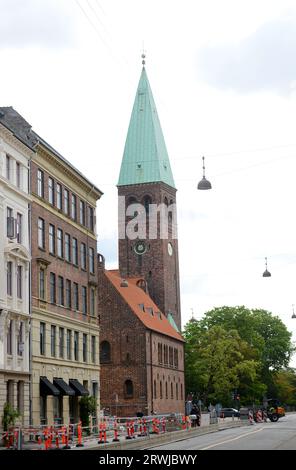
(293, 314)
(143, 58)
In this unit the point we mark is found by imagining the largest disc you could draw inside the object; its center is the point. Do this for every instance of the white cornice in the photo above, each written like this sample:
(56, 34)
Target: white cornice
(15, 142)
(15, 189)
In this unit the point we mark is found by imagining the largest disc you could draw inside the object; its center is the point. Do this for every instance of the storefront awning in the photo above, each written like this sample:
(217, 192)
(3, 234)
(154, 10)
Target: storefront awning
(47, 388)
(63, 387)
(80, 391)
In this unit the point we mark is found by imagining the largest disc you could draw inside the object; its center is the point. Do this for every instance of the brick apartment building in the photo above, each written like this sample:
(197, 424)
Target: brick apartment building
(65, 329)
(141, 349)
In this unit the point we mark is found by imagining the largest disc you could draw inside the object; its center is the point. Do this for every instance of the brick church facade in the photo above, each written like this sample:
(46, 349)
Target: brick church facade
(141, 347)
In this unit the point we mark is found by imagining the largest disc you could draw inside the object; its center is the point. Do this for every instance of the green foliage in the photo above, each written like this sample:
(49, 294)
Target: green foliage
(9, 416)
(88, 406)
(237, 348)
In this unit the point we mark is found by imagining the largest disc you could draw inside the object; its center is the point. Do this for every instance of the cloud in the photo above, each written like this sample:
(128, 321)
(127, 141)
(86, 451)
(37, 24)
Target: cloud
(35, 23)
(263, 61)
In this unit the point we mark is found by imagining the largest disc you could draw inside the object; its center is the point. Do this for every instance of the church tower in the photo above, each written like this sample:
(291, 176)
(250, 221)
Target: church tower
(146, 178)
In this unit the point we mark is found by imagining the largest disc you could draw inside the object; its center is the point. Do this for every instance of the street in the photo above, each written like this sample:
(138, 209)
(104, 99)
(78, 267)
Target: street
(263, 436)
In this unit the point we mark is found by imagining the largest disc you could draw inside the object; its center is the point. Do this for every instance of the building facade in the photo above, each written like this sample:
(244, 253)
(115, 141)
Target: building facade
(142, 350)
(65, 327)
(16, 150)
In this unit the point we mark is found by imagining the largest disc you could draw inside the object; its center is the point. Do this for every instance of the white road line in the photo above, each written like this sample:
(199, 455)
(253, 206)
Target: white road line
(230, 440)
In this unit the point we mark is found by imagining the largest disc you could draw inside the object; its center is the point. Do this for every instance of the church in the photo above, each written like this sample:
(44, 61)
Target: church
(141, 346)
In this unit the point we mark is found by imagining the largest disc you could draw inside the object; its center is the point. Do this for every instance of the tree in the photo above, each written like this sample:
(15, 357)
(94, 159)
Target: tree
(265, 333)
(264, 344)
(9, 416)
(215, 362)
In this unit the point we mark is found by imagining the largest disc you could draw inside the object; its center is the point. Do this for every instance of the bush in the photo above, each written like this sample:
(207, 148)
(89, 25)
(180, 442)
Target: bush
(88, 406)
(9, 416)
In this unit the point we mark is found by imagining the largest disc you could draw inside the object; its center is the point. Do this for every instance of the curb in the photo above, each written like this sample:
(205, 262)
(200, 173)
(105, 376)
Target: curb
(156, 440)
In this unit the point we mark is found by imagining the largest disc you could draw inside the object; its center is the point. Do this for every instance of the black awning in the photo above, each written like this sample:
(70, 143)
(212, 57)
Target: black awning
(80, 391)
(47, 388)
(63, 387)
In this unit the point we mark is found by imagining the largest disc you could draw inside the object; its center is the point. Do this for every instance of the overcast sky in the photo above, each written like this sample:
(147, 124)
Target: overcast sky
(223, 75)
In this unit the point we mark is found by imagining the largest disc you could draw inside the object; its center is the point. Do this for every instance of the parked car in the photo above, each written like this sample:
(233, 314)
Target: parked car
(229, 412)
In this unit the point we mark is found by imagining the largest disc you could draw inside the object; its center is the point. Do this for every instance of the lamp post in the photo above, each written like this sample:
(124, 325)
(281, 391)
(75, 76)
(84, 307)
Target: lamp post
(293, 314)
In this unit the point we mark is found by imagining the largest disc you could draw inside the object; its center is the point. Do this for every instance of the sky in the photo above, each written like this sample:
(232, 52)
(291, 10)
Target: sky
(223, 76)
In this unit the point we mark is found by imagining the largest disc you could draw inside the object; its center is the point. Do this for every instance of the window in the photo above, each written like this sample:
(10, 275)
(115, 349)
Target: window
(60, 243)
(10, 223)
(172, 390)
(51, 191)
(19, 219)
(181, 391)
(42, 284)
(160, 390)
(83, 255)
(40, 183)
(177, 392)
(18, 174)
(176, 362)
(166, 391)
(76, 345)
(61, 290)
(51, 239)
(92, 302)
(9, 278)
(69, 344)
(128, 389)
(171, 358)
(82, 213)
(59, 196)
(75, 251)
(41, 233)
(93, 349)
(42, 339)
(154, 389)
(84, 299)
(53, 340)
(8, 167)
(84, 347)
(52, 283)
(95, 389)
(165, 354)
(76, 296)
(160, 353)
(147, 201)
(67, 247)
(91, 218)
(61, 342)
(92, 260)
(105, 352)
(66, 201)
(19, 282)
(68, 293)
(9, 338)
(73, 207)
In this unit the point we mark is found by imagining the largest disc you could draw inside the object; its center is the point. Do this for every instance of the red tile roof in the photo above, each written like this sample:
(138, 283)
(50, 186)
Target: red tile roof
(135, 297)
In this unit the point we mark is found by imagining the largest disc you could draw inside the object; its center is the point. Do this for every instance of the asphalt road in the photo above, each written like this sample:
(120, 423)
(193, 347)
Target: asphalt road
(260, 436)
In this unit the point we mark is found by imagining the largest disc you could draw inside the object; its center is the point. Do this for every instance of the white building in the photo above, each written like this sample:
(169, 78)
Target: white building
(16, 150)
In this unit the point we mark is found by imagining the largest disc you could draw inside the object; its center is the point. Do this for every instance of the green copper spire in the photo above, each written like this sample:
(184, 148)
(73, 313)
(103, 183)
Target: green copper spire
(145, 157)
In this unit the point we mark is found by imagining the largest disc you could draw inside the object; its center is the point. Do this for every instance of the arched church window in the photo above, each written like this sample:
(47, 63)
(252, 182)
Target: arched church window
(147, 201)
(128, 388)
(105, 352)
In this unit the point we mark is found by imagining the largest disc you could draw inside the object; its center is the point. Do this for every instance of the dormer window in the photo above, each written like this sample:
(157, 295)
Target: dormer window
(142, 307)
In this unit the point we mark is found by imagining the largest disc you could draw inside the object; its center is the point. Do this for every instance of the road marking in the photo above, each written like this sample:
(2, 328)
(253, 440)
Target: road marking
(230, 440)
